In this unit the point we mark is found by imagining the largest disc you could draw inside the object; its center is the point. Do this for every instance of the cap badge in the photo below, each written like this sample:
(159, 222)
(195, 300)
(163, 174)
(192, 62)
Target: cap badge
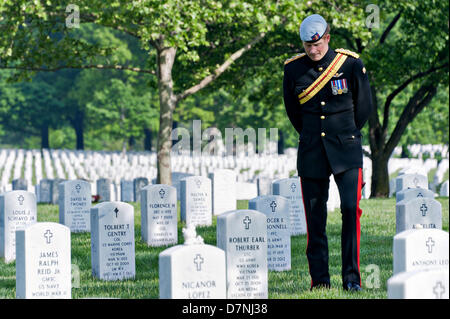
(315, 37)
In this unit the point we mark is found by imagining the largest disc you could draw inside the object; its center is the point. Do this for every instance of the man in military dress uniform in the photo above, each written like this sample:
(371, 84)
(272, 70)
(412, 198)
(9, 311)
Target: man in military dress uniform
(328, 101)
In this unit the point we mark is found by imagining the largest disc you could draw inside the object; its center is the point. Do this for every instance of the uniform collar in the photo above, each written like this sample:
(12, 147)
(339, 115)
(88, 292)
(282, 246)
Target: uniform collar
(326, 59)
(324, 62)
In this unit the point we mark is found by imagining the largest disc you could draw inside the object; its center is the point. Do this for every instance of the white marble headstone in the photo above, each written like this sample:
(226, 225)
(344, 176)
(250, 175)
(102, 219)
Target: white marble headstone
(291, 189)
(104, 189)
(416, 249)
(195, 202)
(75, 205)
(45, 191)
(277, 210)
(43, 262)
(159, 215)
(193, 270)
(419, 284)
(223, 191)
(18, 209)
(138, 184)
(126, 191)
(412, 193)
(112, 241)
(242, 234)
(411, 181)
(422, 210)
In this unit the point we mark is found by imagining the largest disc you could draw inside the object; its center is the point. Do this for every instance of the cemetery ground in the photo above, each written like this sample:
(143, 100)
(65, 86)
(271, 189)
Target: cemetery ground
(376, 258)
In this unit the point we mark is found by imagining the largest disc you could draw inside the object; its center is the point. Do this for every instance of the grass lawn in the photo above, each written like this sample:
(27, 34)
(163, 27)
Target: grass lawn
(377, 232)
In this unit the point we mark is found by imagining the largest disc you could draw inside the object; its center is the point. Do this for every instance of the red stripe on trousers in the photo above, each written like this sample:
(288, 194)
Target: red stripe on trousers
(358, 215)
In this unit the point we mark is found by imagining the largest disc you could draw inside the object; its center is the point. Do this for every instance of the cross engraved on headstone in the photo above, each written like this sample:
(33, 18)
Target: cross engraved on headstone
(198, 261)
(48, 235)
(78, 188)
(439, 290)
(273, 205)
(424, 209)
(161, 193)
(20, 199)
(430, 244)
(116, 210)
(247, 221)
(198, 183)
(293, 187)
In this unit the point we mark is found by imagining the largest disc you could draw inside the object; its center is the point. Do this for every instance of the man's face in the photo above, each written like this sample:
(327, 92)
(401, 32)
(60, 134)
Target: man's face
(317, 50)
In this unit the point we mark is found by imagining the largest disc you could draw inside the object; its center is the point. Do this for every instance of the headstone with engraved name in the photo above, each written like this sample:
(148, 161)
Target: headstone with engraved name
(19, 184)
(43, 262)
(193, 270)
(126, 191)
(412, 193)
(242, 234)
(223, 191)
(419, 284)
(18, 209)
(422, 210)
(104, 189)
(277, 210)
(420, 249)
(112, 241)
(159, 215)
(290, 188)
(195, 203)
(411, 181)
(138, 184)
(75, 205)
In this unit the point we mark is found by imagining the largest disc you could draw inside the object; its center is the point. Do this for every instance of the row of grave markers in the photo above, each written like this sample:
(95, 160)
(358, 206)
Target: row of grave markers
(420, 246)
(112, 241)
(112, 232)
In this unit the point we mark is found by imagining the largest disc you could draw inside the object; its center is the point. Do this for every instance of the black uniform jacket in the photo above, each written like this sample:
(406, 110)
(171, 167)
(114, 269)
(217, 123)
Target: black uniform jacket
(329, 124)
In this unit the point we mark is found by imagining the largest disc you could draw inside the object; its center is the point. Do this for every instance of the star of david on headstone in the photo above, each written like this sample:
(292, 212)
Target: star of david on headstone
(439, 290)
(273, 205)
(20, 198)
(161, 193)
(247, 221)
(293, 187)
(48, 236)
(198, 261)
(198, 182)
(116, 210)
(430, 244)
(424, 210)
(78, 188)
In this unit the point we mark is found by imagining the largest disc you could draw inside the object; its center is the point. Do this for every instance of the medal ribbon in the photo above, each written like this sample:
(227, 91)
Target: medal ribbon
(323, 79)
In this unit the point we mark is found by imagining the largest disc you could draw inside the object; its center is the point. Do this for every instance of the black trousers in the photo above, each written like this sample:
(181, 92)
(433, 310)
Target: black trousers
(315, 196)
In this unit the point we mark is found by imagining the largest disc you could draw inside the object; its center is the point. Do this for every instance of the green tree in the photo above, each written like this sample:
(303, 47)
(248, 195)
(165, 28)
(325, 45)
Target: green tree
(189, 44)
(407, 61)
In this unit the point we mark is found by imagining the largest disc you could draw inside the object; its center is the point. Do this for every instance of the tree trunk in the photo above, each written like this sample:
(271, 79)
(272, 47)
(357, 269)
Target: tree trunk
(280, 142)
(44, 136)
(78, 125)
(147, 139)
(167, 103)
(380, 175)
